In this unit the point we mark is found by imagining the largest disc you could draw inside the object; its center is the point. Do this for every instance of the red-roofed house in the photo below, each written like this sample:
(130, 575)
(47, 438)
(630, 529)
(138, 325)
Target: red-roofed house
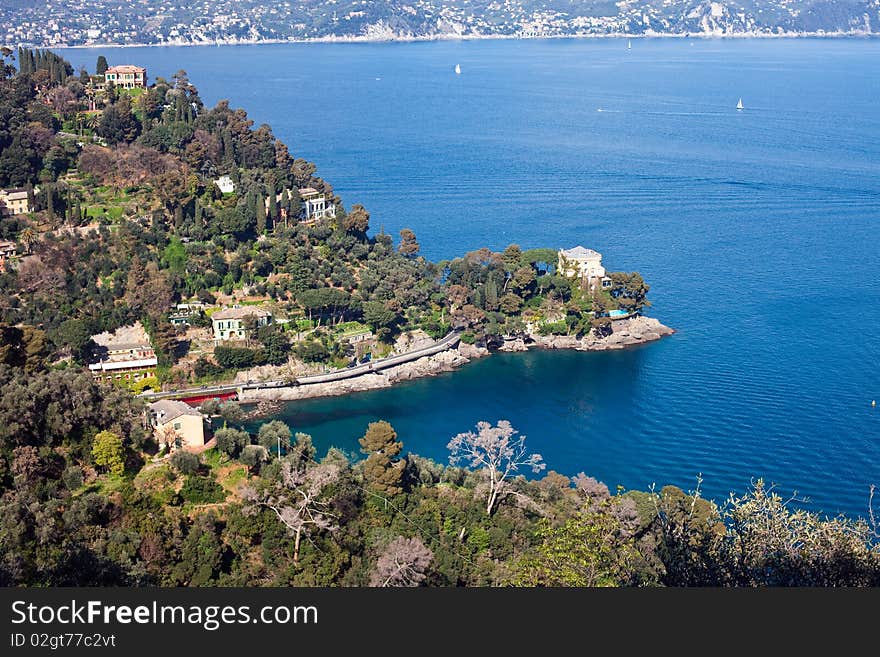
(126, 76)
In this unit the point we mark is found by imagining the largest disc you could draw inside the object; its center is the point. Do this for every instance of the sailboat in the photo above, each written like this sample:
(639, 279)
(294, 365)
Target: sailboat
(739, 105)
(457, 69)
(629, 44)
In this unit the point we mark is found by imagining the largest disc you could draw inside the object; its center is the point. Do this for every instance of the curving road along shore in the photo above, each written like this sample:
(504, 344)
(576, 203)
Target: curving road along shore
(309, 382)
(442, 357)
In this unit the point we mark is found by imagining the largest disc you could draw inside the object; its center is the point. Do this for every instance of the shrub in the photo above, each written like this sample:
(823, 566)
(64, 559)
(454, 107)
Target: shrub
(73, 477)
(235, 358)
(185, 463)
(202, 490)
(312, 352)
(147, 382)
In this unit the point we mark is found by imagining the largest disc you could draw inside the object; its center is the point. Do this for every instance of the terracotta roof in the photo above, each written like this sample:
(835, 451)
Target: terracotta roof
(240, 313)
(308, 191)
(126, 68)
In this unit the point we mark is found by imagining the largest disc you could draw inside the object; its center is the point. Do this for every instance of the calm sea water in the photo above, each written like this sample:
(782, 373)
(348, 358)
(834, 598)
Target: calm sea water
(758, 230)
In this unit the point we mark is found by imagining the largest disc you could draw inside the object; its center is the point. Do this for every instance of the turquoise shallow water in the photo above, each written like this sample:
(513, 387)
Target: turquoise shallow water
(758, 231)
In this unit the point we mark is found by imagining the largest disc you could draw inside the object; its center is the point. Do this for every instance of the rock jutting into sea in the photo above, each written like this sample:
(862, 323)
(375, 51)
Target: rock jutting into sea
(625, 333)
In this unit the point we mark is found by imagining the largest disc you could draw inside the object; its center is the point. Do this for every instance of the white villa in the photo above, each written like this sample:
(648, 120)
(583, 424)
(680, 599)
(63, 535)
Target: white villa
(315, 204)
(585, 265)
(225, 184)
(229, 323)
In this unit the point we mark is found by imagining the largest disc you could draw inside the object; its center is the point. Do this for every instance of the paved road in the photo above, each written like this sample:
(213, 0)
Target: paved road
(448, 342)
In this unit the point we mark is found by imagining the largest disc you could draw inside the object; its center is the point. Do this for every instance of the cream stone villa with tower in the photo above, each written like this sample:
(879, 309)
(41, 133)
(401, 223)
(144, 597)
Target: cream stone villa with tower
(585, 265)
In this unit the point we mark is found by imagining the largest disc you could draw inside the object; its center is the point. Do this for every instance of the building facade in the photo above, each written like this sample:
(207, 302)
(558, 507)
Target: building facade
(229, 324)
(127, 76)
(14, 202)
(177, 424)
(225, 184)
(585, 265)
(315, 205)
(124, 355)
(8, 250)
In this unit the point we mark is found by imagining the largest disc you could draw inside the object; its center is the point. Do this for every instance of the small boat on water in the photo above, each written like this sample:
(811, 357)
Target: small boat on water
(739, 105)
(457, 69)
(629, 44)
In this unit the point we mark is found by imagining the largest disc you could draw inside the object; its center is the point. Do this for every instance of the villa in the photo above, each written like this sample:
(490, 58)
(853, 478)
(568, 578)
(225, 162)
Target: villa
(14, 202)
(225, 184)
(229, 324)
(177, 424)
(315, 204)
(124, 354)
(127, 76)
(585, 265)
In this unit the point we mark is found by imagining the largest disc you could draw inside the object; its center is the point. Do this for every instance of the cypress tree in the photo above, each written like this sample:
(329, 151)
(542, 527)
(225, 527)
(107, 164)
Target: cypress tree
(273, 205)
(491, 294)
(260, 212)
(50, 202)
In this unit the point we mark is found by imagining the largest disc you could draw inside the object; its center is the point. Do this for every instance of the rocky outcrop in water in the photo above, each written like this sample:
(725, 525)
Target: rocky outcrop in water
(624, 333)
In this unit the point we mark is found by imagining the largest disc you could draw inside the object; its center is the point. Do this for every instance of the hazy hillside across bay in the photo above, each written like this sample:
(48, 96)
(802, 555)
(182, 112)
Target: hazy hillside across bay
(201, 21)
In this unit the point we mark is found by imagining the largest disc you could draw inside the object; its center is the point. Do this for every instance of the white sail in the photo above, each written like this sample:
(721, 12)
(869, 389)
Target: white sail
(629, 44)
(457, 69)
(739, 105)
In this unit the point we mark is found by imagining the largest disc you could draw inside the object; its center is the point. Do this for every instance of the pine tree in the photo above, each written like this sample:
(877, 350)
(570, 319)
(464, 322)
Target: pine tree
(383, 474)
(102, 66)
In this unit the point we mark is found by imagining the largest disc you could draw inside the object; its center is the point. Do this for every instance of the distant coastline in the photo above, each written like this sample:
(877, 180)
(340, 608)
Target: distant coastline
(855, 34)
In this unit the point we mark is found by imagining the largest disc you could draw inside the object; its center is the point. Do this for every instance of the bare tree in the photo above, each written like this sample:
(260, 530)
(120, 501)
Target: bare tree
(498, 450)
(298, 500)
(404, 562)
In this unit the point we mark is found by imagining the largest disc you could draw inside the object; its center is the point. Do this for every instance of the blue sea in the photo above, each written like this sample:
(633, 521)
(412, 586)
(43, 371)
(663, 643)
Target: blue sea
(759, 232)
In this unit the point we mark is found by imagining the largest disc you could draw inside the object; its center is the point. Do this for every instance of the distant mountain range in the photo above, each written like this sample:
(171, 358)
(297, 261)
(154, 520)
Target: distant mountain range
(58, 23)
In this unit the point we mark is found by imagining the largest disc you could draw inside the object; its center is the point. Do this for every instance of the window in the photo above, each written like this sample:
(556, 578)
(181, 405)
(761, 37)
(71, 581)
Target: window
(176, 426)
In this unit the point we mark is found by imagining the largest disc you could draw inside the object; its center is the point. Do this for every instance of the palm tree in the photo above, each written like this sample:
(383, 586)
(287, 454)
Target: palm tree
(27, 237)
(92, 121)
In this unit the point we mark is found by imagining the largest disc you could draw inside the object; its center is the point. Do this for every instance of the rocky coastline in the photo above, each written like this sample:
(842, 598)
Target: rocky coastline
(625, 333)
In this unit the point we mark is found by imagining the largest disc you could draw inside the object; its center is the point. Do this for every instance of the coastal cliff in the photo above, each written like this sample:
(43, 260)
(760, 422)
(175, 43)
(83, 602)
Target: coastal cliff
(625, 333)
